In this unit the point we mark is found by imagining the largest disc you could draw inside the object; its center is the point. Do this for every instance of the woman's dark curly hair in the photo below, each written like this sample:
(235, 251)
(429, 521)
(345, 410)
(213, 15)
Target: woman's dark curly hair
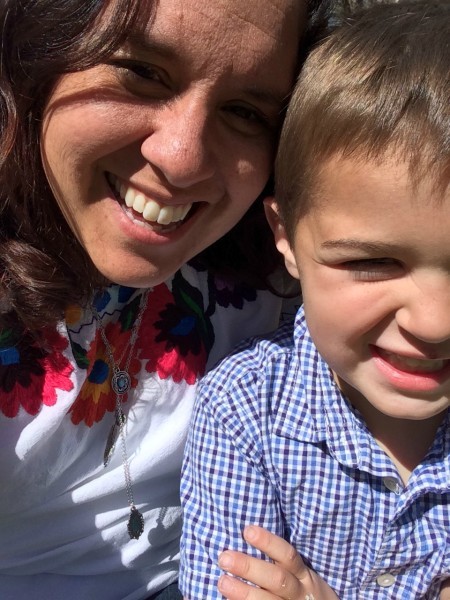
(43, 267)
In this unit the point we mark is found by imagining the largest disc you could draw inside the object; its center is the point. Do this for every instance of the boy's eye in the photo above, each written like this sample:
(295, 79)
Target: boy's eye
(373, 269)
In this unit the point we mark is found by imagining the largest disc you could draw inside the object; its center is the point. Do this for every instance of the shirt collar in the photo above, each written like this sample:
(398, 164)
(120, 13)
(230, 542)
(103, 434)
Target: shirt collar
(315, 411)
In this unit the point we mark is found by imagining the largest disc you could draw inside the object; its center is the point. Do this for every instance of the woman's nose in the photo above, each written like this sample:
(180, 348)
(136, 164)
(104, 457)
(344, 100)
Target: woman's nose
(179, 144)
(425, 313)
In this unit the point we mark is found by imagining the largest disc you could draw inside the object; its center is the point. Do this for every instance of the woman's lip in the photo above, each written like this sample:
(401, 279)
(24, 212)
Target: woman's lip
(404, 372)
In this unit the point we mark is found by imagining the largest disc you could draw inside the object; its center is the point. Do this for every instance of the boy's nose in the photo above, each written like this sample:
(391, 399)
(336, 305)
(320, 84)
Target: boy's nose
(426, 312)
(179, 145)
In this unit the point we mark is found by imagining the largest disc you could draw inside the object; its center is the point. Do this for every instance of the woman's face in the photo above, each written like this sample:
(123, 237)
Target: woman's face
(159, 152)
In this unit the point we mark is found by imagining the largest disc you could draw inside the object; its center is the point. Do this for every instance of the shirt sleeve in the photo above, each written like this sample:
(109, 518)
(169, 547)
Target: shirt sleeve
(226, 482)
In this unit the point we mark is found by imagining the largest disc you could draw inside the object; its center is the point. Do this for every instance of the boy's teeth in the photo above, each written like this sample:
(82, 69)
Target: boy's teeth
(150, 209)
(414, 364)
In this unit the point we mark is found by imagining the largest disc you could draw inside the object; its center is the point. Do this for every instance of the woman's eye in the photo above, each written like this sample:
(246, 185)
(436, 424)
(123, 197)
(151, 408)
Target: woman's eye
(248, 114)
(247, 119)
(138, 73)
(373, 269)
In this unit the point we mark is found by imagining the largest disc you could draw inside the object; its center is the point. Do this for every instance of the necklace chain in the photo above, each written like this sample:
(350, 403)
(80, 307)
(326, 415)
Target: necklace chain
(121, 384)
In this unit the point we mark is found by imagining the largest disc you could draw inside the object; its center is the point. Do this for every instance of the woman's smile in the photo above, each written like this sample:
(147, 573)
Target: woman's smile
(147, 211)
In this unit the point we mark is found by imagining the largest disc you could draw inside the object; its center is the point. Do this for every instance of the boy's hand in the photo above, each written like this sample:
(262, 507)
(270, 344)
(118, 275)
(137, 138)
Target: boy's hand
(287, 578)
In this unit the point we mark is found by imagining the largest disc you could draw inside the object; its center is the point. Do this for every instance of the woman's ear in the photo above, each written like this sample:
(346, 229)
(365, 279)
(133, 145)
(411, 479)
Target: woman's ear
(279, 232)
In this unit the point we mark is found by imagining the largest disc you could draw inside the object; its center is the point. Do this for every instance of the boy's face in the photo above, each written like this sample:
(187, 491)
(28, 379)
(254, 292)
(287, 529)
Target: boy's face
(373, 257)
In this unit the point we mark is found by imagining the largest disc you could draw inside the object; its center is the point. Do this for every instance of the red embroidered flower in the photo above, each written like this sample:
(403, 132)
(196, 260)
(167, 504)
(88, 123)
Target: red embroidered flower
(178, 342)
(31, 374)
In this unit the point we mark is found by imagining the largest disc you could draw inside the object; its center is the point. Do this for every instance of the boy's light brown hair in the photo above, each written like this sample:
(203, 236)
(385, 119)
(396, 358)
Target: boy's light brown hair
(378, 86)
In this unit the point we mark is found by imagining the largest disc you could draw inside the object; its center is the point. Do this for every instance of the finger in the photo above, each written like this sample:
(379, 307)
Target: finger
(268, 576)
(445, 590)
(276, 548)
(235, 589)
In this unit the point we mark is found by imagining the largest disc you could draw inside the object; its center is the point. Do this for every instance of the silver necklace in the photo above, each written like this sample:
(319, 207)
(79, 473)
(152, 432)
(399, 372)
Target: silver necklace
(121, 385)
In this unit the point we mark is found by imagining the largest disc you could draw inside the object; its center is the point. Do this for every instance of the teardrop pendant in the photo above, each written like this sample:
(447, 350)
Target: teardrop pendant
(135, 524)
(112, 438)
(110, 444)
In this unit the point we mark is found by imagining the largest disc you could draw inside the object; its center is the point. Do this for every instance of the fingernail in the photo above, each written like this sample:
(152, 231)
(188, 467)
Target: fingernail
(224, 585)
(250, 532)
(225, 561)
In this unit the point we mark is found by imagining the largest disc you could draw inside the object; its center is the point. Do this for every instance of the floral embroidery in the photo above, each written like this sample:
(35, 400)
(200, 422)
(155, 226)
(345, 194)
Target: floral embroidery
(73, 314)
(226, 292)
(96, 396)
(31, 374)
(175, 340)
(178, 343)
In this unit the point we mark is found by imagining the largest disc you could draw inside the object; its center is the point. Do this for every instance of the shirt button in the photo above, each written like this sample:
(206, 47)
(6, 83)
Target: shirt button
(385, 580)
(392, 484)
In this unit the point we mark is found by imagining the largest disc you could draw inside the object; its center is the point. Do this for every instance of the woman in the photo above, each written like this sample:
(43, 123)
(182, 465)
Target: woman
(134, 135)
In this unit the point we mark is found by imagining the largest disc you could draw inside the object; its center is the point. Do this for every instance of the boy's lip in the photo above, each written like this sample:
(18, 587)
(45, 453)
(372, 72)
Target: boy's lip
(412, 363)
(408, 372)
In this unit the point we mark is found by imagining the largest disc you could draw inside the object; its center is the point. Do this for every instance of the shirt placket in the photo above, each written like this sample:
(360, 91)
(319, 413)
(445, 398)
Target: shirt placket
(383, 575)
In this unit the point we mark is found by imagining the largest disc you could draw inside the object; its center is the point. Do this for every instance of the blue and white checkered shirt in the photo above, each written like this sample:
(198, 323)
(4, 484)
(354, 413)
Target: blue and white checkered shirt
(274, 443)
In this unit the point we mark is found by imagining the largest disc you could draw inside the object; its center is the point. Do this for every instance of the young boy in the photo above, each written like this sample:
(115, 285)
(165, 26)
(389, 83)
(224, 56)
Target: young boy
(334, 433)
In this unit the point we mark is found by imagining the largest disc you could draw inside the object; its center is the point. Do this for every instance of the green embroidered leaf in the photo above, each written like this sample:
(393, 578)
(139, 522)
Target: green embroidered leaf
(129, 313)
(80, 355)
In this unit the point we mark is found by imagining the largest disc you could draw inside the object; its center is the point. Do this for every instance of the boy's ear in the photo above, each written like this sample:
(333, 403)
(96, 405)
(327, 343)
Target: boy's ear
(279, 232)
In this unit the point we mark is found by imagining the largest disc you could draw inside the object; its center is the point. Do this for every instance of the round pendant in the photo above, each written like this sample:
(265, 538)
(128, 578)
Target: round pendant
(121, 382)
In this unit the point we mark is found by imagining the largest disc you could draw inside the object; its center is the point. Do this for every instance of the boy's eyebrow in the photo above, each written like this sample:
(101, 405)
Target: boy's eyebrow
(137, 41)
(353, 244)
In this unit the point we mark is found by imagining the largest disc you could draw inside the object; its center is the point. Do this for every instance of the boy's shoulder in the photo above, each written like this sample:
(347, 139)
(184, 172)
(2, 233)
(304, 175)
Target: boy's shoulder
(255, 350)
(276, 382)
(263, 357)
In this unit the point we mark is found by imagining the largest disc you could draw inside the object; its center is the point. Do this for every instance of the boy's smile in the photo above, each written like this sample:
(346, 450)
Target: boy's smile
(373, 257)
(411, 373)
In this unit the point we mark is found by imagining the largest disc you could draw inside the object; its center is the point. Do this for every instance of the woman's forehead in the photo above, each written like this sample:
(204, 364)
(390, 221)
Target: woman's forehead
(223, 36)
(275, 18)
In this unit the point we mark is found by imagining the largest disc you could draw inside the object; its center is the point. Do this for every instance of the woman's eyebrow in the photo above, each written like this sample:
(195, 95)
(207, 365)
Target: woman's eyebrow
(270, 96)
(138, 42)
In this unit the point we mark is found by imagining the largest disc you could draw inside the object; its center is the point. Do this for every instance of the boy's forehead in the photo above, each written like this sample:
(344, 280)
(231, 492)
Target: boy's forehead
(368, 209)
(382, 178)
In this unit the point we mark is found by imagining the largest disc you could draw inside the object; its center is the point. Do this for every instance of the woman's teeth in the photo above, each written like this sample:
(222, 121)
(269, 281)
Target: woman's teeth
(151, 211)
(413, 365)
